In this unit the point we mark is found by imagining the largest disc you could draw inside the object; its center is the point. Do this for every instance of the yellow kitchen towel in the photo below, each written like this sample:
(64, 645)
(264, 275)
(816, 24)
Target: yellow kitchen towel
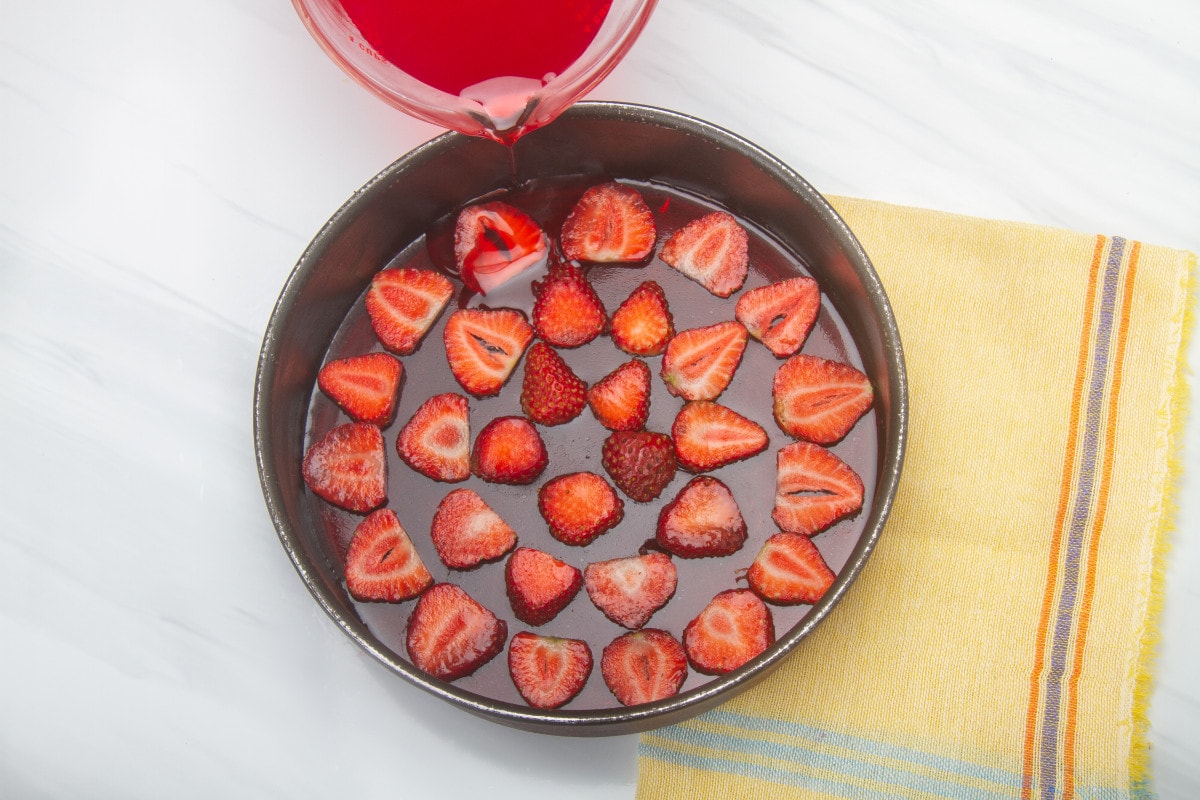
(999, 641)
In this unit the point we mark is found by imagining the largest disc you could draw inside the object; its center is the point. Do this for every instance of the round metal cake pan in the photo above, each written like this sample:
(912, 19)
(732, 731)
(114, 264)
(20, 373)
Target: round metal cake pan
(606, 140)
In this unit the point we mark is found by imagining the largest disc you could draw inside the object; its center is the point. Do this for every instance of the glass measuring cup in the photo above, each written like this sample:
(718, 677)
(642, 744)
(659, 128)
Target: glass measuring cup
(492, 68)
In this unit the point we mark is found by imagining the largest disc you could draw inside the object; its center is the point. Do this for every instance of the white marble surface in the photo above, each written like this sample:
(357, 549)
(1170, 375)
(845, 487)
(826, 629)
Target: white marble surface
(162, 167)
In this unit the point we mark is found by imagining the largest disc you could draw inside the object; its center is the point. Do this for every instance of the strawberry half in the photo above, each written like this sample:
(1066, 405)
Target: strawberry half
(643, 666)
(436, 441)
(703, 520)
(708, 435)
(610, 223)
(483, 347)
(641, 463)
(621, 399)
(629, 590)
(493, 243)
(819, 400)
(782, 314)
(365, 387)
(567, 312)
(539, 585)
(348, 467)
(551, 393)
(548, 670)
(467, 532)
(382, 564)
(699, 362)
(450, 635)
(509, 450)
(813, 489)
(733, 628)
(404, 303)
(712, 250)
(642, 325)
(789, 569)
(579, 506)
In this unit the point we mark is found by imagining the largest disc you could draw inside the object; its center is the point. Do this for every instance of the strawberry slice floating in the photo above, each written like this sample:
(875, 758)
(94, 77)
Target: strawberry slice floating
(579, 506)
(643, 666)
(539, 585)
(708, 435)
(365, 387)
(551, 393)
(702, 521)
(641, 463)
(781, 315)
(733, 628)
(436, 441)
(713, 251)
(813, 489)
(450, 634)
(789, 569)
(493, 243)
(611, 223)
(548, 670)
(629, 590)
(466, 531)
(381, 564)
(819, 400)
(483, 347)
(567, 312)
(642, 325)
(348, 467)
(699, 362)
(404, 303)
(621, 399)
(509, 450)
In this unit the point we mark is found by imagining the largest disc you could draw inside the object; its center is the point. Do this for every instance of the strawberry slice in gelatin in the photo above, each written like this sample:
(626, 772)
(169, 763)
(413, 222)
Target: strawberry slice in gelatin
(493, 243)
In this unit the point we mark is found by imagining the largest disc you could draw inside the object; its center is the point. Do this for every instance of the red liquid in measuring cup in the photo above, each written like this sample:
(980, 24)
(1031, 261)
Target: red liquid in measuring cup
(452, 45)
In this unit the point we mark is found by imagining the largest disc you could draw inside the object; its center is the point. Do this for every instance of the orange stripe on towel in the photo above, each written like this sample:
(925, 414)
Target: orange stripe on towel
(1064, 494)
(1089, 589)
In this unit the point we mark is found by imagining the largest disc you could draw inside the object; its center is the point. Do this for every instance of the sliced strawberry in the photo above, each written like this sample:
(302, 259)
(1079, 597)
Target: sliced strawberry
(450, 635)
(403, 304)
(621, 399)
(703, 520)
(467, 532)
(813, 489)
(699, 363)
(819, 400)
(551, 393)
(643, 666)
(493, 243)
(733, 628)
(782, 314)
(579, 506)
(509, 450)
(548, 670)
(708, 435)
(629, 590)
(348, 467)
(483, 347)
(382, 564)
(610, 223)
(567, 312)
(642, 325)
(436, 441)
(539, 585)
(365, 387)
(712, 250)
(789, 569)
(641, 463)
